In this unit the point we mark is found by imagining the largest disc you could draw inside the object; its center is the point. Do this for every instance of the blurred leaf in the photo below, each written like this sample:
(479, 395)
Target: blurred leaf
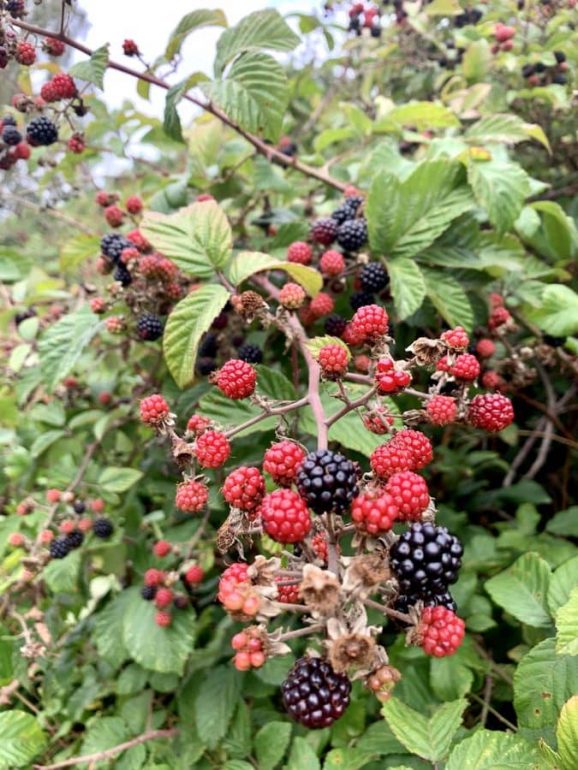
(22, 739)
(563, 582)
(506, 128)
(500, 188)
(567, 626)
(94, 69)
(558, 314)
(77, 250)
(171, 121)
(346, 759)
(118, 479)
(189, 23)
(567, 734)
(62, 344)
(407, 286)
(302, 756)
(449, 299)
(421, 116)
(247, 263)
(564, 523)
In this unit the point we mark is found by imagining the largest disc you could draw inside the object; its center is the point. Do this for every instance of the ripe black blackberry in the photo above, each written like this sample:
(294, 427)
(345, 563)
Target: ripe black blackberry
(79, 506)
(347, 210)
(252, 354)
(148, 593)
(16, 8)
(560, 56)
(404, 602)
(335, 325)
(8, 120)
(60, 547)
(112, 245)
(352, 234)
(181, 602)
(149, 327)
(122, 275)
(374, 277)
(361, 299)
(75, 539)
(41, 132)
(103, 528)
(327, 481)
(528, 70)
(209, 346)
(206, 366)
(324, 231)
(11, 136)
(314, 694)
(560, 80)
(426, 559)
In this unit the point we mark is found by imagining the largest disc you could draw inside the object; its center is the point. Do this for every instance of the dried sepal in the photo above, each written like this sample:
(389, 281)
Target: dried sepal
(320, 590)
(427, 352)
(365, 573)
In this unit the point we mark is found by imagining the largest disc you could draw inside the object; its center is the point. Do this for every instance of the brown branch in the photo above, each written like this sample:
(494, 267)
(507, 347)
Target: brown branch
(388, 611)
(100, 756)
(270, 153)
(351, 406)
(306, 631)
(279, 410)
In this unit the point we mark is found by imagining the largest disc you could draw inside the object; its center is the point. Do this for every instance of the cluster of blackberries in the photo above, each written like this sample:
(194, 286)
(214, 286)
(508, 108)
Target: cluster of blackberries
(426, 560)
(211, 344)
(361, 17)
(539, 74)
(469, 16)
(62, 546)
(111, 246)
(351, 232)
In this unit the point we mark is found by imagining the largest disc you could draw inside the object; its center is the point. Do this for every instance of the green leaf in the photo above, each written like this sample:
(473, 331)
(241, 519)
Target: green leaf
(61, 575)
(247, 263)
(197, 238)
(543, 681)
(347, 759)
(171, 121)
(564, 581)
(114, 479)
(428, 738)
(450, 677)
(500, 188)
(567, 734)
(443, 8)
(476, 64)
(271, 743)
(62, 344)
(315, 344)
(558, 314)
(262, 30)
(108, 630)
(564, 523)
(189, 23)
(22, 739)
(77, 250)
(254, 94)
(44, 441)
(488, 750)
(505, 128)
(567, 626)
(421, 116)
(190, 319)
(557, 236)
(405, 217)
(92, 70)
(216, 704)
(302, 756)
(522, 590)
(105, 733)
(157, 649)
(449, 299)
(407, 286)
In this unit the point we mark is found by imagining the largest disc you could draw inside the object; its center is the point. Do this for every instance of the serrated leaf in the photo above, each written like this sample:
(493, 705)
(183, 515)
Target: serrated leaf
(45, 440)
(505, 128)
(347, 759)
(567, 626)
(22, 739)
(61, 575)
(171, 120)
(77, 250)
(557, 236)
(247, 263)
(157, 649)
(564, 523)
(407, 286)
(190, 319)
(262, 30)
(450, 677)
(62, 344)
(421, 116)
(500, 188)
(271, 743)
(189, 23)
(563, 582)
(302, 756)
(488, 750)
(254, 94)
(428, 738)
(114, 479)
(449, 298)
(317, 343)
(94, 69)
(567, 734)
(405, 217)
(558, 313)
(106, 733)
(522, 590)
(216, 704)
(108, 630)
(197, 238)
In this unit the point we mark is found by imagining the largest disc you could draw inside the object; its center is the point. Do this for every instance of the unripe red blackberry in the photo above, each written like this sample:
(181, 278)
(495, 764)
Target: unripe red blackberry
(54, 47)
(456, 339)
(191, 496)
(390, 379)
(492, 380)
(300, 253)
(154, 410)
(466, 367)
(334, 361)
(287, 594)
(389, 458)
(441, 410)
(410, 493)
(244, 488)
(321, 305)
(498, 317)
(283, 461)
(440, 631)
(236, 379)
(327, 481)
(212, 449)
(130, 48)
(426, 559)
(114, 216)
(198, 424)
(285, 516)
(417, 444)
(134, 204)
(292, 296)
(162, 548)
(324, 231)
(378, 420)
(25, 53)
(332, 263)
(153, 577)
(314, 694)
(370, 323)
(163, 598)
(194, 575)
(374, 512)
(163, 619)
(485, 348)
(491, 411)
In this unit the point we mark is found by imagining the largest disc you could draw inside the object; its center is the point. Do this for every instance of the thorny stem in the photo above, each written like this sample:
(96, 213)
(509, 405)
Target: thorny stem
(278, 410)
(388, 611)
(306, 631)
(270, 153)
(351, 406)
(494, 712)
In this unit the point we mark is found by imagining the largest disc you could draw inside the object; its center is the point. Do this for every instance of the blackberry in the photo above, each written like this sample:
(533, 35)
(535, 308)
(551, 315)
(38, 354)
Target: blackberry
(314, 694)
(60, 547)
(79, 507)
(528, 70)
(206, 366)
(324, 231)
(250, 353)
(404, 602)
(335, 325)
(327, 481)
(11, 136)
(148, 593)
(112, 245)
(41, 132)
(374, 277)
(209, 346)
(75, 539)
(560, 80)
(426, 559)
(8, 120)
(122, 275)
(16, 8)
(181, 602)
(24, 315)
(352, 234)
(149, 327)
(347, 210)
(540, 67)
(560, 56)
(103, 528)
(360, 299)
